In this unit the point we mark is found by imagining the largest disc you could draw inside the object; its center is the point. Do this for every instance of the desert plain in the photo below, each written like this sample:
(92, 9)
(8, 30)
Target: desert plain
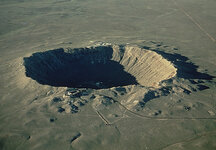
(115, 74)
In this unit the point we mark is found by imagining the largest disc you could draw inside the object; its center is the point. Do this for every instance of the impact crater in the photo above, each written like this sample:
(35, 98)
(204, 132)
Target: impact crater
(99, 67)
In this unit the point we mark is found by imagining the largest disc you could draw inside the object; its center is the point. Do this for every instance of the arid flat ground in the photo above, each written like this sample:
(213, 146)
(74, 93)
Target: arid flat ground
(36, 116)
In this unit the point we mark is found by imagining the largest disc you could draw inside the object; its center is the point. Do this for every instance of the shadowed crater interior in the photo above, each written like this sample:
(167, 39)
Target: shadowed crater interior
(99, 67)
(84, 67)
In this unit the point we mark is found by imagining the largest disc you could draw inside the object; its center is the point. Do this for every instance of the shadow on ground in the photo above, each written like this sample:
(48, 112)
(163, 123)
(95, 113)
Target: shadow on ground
(186, 70)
